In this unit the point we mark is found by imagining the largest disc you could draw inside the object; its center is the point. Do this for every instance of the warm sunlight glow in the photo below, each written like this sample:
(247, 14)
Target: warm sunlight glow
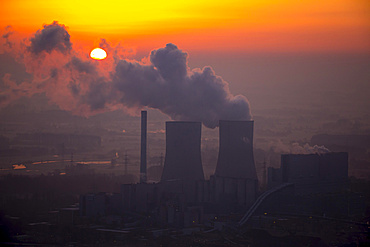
(203, 25)
(98, 54)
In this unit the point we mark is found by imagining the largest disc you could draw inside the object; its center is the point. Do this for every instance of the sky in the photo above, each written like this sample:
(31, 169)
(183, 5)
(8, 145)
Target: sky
(340, 26)
(291, 66)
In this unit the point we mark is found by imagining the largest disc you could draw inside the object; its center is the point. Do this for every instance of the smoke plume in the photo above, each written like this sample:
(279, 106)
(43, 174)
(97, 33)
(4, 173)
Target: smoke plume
(52, 37)
(278, 146)
(83, 86)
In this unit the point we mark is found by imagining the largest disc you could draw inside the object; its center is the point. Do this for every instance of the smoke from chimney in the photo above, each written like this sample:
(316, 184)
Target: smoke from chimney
(85, 87)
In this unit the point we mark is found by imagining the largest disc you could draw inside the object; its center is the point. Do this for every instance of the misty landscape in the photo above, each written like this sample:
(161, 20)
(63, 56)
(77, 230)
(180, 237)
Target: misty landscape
(167, 146)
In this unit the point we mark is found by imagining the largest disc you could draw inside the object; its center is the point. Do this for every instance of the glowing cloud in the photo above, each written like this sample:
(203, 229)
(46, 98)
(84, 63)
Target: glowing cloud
(237, 25)
(82, 86)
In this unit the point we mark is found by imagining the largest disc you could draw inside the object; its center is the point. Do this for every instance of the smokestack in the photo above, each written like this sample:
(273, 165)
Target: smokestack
(143, 147)
(235, 156)
(183, 155)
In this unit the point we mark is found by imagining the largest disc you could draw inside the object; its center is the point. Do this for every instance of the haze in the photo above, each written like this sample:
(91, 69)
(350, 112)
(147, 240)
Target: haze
(299, 70)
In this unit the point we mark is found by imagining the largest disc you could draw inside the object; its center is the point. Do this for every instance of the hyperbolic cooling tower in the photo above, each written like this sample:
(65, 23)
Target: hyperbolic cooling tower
(183, 155)
(235, 156)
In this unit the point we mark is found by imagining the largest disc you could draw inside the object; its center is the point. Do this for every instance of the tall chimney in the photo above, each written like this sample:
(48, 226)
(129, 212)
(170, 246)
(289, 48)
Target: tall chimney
(143, 147)
(183, 156)
(235, 156)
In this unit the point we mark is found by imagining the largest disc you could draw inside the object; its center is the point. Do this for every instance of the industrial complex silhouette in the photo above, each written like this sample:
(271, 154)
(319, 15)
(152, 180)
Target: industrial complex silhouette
(183, 198)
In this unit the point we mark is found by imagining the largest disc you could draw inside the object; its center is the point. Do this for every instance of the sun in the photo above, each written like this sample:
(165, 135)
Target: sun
(98, 54)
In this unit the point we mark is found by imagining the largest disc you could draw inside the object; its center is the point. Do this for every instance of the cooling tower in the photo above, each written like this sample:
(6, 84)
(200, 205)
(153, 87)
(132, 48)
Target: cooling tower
(235, 156)
(183, 156)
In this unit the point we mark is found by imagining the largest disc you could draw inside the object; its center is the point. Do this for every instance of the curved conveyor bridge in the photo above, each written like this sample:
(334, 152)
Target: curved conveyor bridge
(258, 202)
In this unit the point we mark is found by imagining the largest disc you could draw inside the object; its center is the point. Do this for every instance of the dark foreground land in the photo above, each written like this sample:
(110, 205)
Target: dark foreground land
(43, 211)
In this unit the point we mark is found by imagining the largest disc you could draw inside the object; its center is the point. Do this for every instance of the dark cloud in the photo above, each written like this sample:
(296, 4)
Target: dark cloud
(81, 66)
(139, 85)
(9, 31)
(168, 85)
(75, 89)
(170, 62)
(52, 37)
(98, 95)
(17, 70)
(6, 35)
(54, 73)
(83, 86)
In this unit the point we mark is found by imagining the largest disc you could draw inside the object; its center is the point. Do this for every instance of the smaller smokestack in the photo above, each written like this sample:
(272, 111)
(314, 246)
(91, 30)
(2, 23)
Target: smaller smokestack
(143, 147)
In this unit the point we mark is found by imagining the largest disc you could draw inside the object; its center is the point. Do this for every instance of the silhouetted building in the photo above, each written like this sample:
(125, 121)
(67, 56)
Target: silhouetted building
(183, 197)
(183, 155)
(93, 204)
(235, 156)
(100, 204)
(312, 173)
(274, 177)
(313, 184)
(235, 181)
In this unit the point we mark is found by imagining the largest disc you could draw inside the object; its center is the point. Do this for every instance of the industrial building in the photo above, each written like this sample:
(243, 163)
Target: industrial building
(313, 184)
(312, 173)
(184, 198)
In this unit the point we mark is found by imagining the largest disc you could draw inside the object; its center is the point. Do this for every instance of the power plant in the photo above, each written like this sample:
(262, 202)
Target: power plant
(312, 173)
(183, 194)
(183, 198)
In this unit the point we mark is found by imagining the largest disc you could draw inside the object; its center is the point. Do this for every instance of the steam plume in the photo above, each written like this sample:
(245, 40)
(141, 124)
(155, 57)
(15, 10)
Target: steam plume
(295, 148)
(52, 37)
(165, 82)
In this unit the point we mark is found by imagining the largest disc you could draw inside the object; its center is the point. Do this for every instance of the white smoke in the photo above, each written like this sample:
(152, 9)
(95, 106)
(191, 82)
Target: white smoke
(278, 146)
(307, 149)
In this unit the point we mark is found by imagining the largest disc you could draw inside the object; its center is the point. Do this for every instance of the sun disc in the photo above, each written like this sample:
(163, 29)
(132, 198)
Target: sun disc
(98, 54)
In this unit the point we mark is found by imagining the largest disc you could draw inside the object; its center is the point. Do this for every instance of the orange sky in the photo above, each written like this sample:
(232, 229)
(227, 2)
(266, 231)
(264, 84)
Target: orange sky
(202, 25)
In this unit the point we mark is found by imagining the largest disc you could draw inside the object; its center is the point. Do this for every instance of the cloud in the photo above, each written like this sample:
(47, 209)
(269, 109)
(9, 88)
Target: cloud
(6, 35)
(52, 37)
(116, 51)
(170, 62)
(183, 94)
(164, 81)
(81, 66)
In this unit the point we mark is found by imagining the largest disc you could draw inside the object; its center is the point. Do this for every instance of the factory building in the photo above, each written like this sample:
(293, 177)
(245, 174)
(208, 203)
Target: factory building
(312, 173)
(184, 198)
(319, 186)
